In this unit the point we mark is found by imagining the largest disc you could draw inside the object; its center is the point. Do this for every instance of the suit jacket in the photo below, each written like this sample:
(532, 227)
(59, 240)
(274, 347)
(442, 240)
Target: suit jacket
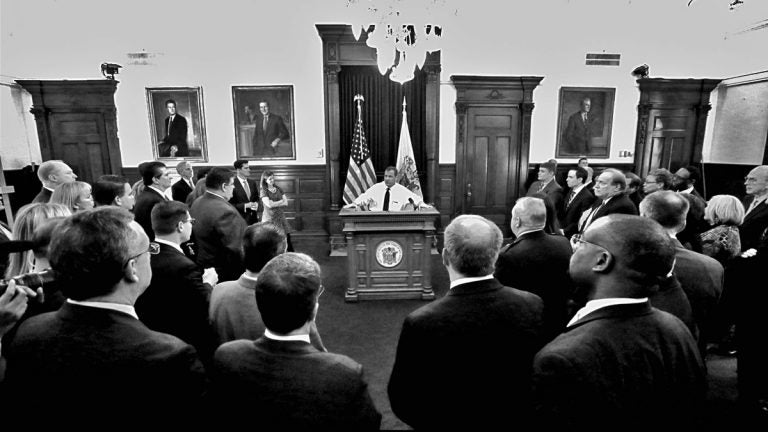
(43, 197)
(240, 198)
(176, 301)
(537, 262)
(754, 225)
(143, 209)
(620, 363)
(478, 342)
(262, 139)
(290, 385)
(702, 280)
(620, 204)
(180, 191)
(552, 189)
(176, 135)
(218, 234)
(578, 134)
(86, 358)
(571, 213)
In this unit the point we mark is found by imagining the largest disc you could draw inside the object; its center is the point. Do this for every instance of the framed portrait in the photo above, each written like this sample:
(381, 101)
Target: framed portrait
(585, 120)
(264, 122)
(176, 120)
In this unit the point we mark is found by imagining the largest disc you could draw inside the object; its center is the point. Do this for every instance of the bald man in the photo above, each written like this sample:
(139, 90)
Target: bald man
(51, 174)
(620, 361)
(756, 205)
(464, 361)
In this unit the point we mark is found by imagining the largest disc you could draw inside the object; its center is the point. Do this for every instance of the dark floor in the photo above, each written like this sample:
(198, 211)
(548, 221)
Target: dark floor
(368, 332)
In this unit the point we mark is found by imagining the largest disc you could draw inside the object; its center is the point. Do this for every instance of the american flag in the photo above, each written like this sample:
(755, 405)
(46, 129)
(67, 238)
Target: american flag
(360, 175)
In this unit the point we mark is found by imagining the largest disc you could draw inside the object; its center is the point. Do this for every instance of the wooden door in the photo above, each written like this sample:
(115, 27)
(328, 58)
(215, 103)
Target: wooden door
(80, 140)
(491, 159)
(670, 139)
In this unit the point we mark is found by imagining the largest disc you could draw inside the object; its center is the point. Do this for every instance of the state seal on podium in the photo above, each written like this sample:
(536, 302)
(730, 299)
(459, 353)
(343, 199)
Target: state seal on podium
(389, 253)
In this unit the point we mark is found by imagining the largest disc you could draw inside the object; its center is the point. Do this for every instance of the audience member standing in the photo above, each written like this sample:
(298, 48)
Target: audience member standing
(700, 276)
(578, 200)
(685, 179)
(176, 301)
(52, 173)
(245, 197)
(113, 190)
(218, 232)
(156, 180)
(93, 356)
(275, 202)
(620, 361)
(537, 262)
(610, 198)
(233, 310)
(547, 185)
(721, 241)
(464, 361)
(181, 189)
(76, 196)
(656, 180)
(280, 379)
(756, 205)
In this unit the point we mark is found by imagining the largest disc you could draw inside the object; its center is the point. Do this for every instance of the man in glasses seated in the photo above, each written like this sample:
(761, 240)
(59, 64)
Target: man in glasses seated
(620, 361)
(281, 380)
(93, 357)
(176, 301)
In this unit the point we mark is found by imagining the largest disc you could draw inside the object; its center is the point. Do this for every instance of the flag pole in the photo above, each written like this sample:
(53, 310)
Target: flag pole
(360, 99)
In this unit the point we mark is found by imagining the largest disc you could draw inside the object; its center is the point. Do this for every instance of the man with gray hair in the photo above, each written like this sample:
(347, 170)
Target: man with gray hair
(280, 379)
(537, 262)
(610, 198)
(478, 342)
(700, 276)
(52, 173)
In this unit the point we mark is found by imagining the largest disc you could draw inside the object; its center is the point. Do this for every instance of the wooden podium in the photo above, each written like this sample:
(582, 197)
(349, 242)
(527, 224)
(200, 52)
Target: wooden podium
(388, 254)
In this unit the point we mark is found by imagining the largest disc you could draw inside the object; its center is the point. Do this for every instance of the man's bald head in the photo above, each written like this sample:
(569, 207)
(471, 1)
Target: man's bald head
(667, 208)
(472, 245)
(642, 251)
(55, 172)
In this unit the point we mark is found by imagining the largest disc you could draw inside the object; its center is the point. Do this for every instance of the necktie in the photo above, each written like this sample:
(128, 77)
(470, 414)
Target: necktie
(541, 187)
(584, 117)
(588, 220)
(247, 189)
(264, 125)
(752, 206)
(170, 121)
(570, 198)
(385, 207)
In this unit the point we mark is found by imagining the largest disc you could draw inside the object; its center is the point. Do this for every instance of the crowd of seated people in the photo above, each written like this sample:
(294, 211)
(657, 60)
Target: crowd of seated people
(175, 297)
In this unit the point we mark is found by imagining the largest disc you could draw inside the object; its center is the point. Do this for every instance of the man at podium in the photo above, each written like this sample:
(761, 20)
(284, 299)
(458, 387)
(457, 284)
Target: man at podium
(388, 196)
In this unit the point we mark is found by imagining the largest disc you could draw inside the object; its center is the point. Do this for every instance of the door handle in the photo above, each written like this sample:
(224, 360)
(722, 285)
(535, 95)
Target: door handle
(469, 190)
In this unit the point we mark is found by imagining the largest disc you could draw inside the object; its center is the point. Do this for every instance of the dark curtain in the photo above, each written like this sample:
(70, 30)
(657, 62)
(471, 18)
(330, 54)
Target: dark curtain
(382, 116)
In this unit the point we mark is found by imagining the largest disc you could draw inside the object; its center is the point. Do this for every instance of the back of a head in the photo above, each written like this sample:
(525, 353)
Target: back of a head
(287, 290)
(41, 238)
(642, 250)
(472, 245)
(90, 249)
(107, 188)
(262, 242)
(28, 219)
(152, 170)
(217, 177)
(68, 194)
(532, 211)
(725, 209)
(166, 215)
(665, 207)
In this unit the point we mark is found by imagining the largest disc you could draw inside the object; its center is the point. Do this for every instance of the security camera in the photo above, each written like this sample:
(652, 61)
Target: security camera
(109, 70)
(641, 71)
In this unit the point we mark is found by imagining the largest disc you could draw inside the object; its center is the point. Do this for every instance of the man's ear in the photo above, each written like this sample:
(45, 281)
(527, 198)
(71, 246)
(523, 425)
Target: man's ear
(604, 262)
(117, 202)
(444, 256)
(130, 272)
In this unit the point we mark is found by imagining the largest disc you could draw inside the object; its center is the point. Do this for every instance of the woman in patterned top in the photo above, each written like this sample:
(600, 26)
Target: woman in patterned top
(274, 201)
(725, 213)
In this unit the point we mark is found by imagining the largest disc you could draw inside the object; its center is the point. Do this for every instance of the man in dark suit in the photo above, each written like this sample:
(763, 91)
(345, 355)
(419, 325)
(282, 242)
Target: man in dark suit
(98, 355)
(610, 198)
(270, 130)
(281, 379)
(537, 262)
(620, 360)
(756, 206)
(52, 173)
(245, 197)
(176, 301)
(685, 179)
(578, 200)
(582, 126)
(156, 180)
(700, 276)
(113, 190)
(477, 342)
(174, 144)
(218, 232)
(183, 186)
(547, 185)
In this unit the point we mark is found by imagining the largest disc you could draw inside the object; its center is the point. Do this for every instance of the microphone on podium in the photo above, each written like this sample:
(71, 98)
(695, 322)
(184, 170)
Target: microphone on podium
(410, 200)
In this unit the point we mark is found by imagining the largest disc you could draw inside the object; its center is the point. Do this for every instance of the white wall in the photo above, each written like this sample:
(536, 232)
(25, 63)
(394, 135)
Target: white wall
(254, 42)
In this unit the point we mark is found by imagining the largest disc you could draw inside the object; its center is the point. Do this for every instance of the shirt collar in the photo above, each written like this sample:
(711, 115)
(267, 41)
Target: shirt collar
(467, 280)
(156, 190)
(214, 193)
(127, 309)
(169, 243)
(687, 191)
(578, 188)
(594, 305)
(302, 337)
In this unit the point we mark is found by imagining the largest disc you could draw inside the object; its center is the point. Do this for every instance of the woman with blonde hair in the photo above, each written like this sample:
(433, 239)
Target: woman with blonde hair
(75, 195)
(724, 213)
(28, 219)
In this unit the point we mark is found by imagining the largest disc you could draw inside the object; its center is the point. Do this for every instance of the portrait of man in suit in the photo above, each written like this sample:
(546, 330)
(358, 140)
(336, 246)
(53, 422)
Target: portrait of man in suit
(177, 123)
(174, 144)
(264, 126)
(585, 117)
(270, 131)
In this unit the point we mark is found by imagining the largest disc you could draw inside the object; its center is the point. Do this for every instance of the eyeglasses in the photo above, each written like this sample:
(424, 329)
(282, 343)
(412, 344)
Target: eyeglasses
(577, 240)
(190, 220)
(320, 291)
(750, 180)
(152, 249)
